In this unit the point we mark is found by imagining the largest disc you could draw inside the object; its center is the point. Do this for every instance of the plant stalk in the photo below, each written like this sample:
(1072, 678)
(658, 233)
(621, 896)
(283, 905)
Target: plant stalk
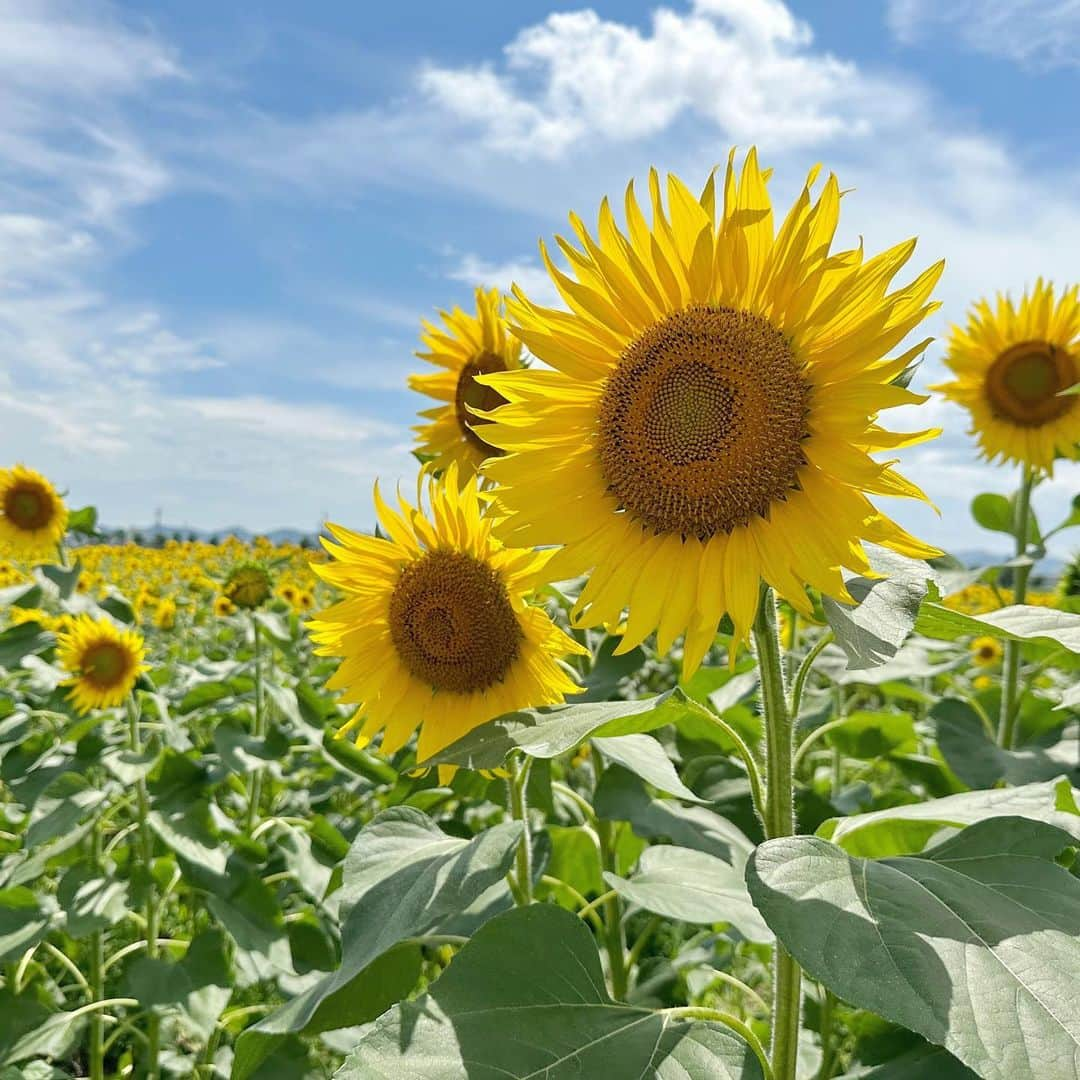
(614, 938)
(146, 854)
(779, 821)
(1011, 664)
(97, 975)
(256, 780)
(519, 811)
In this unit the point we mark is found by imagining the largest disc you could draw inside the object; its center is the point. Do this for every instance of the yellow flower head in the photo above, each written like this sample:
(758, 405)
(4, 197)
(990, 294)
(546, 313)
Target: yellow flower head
(248, 585)
(712, 411)
(165, 614)
(435, 630)
(1011, 364)
(466, 347)
(986, 651)
(223, 606)
(33, 518)
(103, 660)
(304, 600)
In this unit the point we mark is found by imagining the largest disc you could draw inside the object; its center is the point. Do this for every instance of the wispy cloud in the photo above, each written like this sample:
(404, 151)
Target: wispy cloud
(1043, 32)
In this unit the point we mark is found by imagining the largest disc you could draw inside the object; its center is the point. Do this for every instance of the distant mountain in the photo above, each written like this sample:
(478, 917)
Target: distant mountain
(185, 532)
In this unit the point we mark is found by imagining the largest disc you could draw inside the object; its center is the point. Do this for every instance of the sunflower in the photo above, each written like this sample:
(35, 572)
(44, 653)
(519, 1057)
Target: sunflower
(33, 518)
(248, 585)
(103, 660)
(712, 409)
(467, 347)
(435, 631)
(986, 651)
(224, 607)
(1011, 365)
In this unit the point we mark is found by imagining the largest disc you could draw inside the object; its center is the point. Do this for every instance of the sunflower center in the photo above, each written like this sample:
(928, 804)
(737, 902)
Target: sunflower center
(27, 507)
(469, 394)
(105, 664)
(1023, 383)
(702, 422)
(452, 623)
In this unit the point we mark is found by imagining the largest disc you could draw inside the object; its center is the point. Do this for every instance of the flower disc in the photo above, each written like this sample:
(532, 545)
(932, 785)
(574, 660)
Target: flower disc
(452, 624)
(702, 422)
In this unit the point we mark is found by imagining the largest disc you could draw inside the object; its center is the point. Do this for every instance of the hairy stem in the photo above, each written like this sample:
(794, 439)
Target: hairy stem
(779, 821)
(1011, 671)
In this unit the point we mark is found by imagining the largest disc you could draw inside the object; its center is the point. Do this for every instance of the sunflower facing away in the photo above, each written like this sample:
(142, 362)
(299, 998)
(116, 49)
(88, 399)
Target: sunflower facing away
(33, 518)
(1011, 364)
(712, 411)
(103, 660)
(435, 631)
(468, 346)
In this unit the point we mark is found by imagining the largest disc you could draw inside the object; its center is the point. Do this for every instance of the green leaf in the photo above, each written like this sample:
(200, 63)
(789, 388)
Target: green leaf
(84, 521)
(25, 639)
(872, 632)
(23, 922)
(24, 595)
(918, 1064)
(53, 1038)
(981, 763)
(609, 670)
(549, 732)
(1020, 622)
(645, 757)
(993, 512)
(904, 829)
(65, 578)
(89, 900)
(118, 608)
(621, 796)
(402, 877)
(67, 800)
(526, 998)
(984, 927)
(690, 886)
(867, 735)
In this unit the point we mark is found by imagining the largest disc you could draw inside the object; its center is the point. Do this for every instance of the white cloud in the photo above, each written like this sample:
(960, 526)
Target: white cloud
(746, 67)
(1043, 32)
(533, 279)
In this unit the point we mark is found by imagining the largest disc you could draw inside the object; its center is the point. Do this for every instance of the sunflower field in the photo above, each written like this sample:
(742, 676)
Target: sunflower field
(635, 741)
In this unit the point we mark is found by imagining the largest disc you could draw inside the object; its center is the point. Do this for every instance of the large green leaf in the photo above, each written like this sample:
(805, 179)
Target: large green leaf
(904, 829)
(691, 886)
(548, 732)
(24, 921)
(526, 998)
(22, 640)
(1020, 622)
(919, 1064)
(645, 757)
(975, 944)
(979, 761)
(871, 632)
(621, 796)
(402, 877)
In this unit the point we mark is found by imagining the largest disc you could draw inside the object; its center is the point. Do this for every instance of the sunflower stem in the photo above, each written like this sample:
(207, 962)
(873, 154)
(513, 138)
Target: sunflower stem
(1011, 666)
(256, 779)
(516, 783)
(779, 821)
(146, 855)
(97, 974)
(614, 939)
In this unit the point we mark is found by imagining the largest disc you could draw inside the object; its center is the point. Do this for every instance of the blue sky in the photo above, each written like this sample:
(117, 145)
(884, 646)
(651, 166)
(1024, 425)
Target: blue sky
(221, 224)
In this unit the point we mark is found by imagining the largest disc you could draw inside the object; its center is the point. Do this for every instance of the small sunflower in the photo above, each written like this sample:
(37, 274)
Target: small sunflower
(986, 651)
(223, 607)
(1069, 586)
(248, 585)
(165, 613)
(1012, 363)
(712, 411)
(33, 518)
(103, 661)
(467, 346)
(436, 632)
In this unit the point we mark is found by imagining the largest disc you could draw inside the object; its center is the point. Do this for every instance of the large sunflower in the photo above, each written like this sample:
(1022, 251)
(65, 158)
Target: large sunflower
(436, 631)
(33, 518)
(1011, 364)
(712, 411)
(468, 346)
(104, 662)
